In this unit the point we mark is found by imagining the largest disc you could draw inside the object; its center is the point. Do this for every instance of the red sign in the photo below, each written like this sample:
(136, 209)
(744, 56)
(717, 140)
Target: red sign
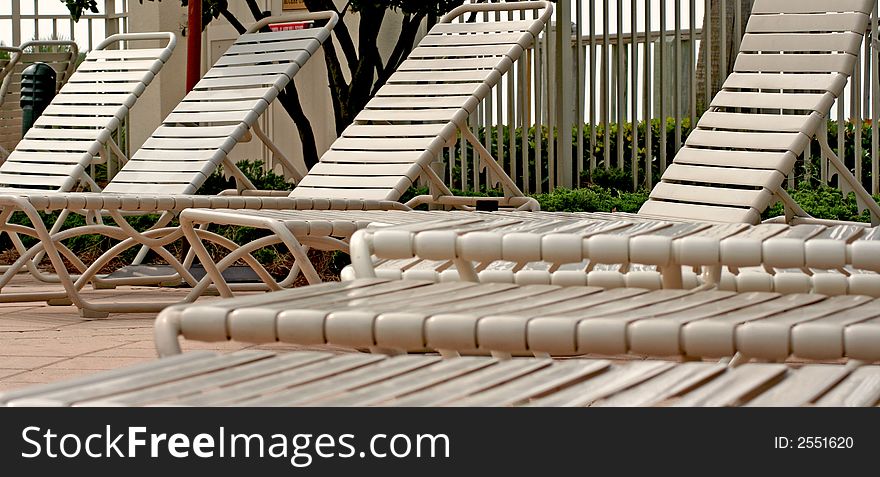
(290, 26)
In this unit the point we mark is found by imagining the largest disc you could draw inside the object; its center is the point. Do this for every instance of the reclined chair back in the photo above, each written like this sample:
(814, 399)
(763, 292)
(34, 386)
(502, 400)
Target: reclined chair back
(79, 122)
(199, 133)
(794, 62)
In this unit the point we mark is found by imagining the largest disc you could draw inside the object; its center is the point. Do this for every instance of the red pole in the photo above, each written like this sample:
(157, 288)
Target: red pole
(193, 44)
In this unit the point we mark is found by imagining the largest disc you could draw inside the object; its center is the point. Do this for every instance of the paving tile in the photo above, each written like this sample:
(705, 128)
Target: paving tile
(94, 363)
(25, 326)
(43, 375)
(5, 373)
(120, 335)
(26, 362)
(10, 385)
(135, 345)
(54, 347)
(123, 352)
(42, 344)
(8, 308)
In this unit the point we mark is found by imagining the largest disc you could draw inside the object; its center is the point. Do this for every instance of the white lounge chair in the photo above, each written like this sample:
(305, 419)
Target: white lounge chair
(61, 55)
(503, 320)
(793, 63)
(11, 56)
(260, 378)
(732, 167)
(80, 120)
(78, 126)
(191, 143)
(635, 252)
(369, 167)
(456, 315)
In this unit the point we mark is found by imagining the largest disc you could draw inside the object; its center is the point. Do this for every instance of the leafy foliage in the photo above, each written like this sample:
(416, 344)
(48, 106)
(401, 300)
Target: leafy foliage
(613, 178)
(409, 7)
(591, 199)
(253, 170)
(77, 7)
(825, 203)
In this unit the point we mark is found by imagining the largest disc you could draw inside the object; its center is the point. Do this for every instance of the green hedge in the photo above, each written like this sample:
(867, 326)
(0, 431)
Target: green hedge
(824, 202)
(591, 199)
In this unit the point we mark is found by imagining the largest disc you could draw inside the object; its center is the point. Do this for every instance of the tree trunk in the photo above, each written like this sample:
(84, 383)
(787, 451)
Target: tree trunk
(289, 98)
(714, 24)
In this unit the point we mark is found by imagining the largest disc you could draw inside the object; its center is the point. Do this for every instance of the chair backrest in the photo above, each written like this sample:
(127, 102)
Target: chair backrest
(199, 133)
(79, 121)
(61, 55)
(418, 111)
(10, 57)
(794, 61)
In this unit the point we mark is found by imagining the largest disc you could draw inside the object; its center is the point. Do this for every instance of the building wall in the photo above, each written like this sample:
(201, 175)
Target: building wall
(168, 88)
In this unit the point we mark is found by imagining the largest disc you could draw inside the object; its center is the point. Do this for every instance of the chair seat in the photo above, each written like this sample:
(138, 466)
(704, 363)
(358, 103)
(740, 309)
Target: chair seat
(259, 378)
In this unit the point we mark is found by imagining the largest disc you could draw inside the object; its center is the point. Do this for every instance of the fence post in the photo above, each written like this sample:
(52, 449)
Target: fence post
(564, 96)
(16, 24)
(111, 22)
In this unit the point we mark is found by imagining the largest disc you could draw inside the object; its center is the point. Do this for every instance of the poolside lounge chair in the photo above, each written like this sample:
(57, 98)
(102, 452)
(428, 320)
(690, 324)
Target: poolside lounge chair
(504, 320)
(79, 121)
(61, 55)
(78, 125)
(733, 164)
(453, 315)
(7, 65)
(794, 61)
(369, 167)
(631, 251)
(178, 157)
(306, 378)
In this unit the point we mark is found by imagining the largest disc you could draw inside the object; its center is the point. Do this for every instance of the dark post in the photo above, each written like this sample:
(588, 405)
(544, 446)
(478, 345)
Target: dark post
(38, 85)
(193, 44)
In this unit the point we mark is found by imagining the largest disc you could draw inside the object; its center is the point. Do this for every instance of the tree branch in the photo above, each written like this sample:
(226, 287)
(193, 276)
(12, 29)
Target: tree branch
(255, 10)
(233, 21)
(362, 78)
(402, 48)
(339, 88)
(289, 98)
(343, 36)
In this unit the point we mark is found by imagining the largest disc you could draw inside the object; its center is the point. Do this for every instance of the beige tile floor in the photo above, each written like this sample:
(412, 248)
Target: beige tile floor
(41, 343)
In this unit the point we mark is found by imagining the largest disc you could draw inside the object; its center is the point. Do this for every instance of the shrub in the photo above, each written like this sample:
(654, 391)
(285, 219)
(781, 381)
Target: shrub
(824, 202)
(591, 199)
(253, 170)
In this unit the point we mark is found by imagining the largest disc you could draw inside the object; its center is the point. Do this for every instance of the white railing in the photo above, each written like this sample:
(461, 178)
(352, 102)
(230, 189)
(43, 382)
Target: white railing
(48, 34)
(28, 21)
